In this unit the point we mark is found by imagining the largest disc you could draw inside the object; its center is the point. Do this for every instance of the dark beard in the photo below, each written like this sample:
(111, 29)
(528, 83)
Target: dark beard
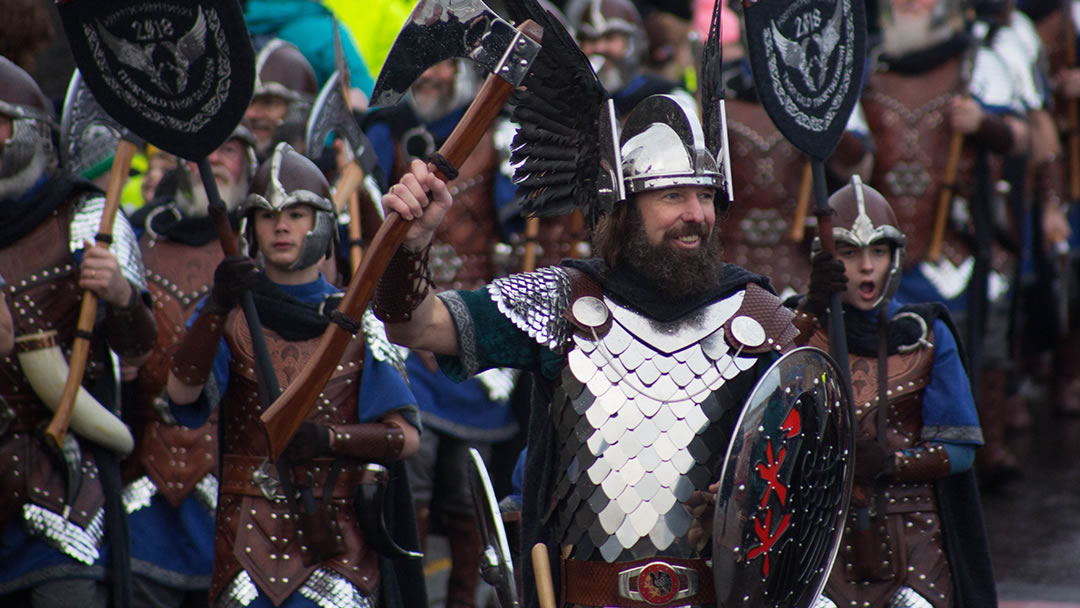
(676, 273)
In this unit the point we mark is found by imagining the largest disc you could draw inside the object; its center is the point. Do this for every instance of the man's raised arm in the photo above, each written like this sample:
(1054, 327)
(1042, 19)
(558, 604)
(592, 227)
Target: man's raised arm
(404, 298)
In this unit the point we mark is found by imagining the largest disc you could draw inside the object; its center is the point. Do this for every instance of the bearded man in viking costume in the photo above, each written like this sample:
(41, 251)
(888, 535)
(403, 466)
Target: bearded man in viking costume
(291, 533)
(915, 514)
(171, 478)
(61, 508)
(678, 336)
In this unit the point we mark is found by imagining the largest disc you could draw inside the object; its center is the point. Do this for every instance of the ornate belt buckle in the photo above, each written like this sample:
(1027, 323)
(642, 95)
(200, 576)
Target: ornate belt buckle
(657, 583)
(269, 485)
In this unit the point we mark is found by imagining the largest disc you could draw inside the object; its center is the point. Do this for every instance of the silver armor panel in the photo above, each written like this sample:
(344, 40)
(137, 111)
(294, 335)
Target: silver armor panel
(382, 349)
(85, 221)
(534, 303)
(635, 417)
(64, 535)
(139, 493)
(326, 588)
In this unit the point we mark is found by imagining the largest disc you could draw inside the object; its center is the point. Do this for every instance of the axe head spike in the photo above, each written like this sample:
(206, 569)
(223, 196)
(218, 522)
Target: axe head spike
(445, 29)
(82, 113)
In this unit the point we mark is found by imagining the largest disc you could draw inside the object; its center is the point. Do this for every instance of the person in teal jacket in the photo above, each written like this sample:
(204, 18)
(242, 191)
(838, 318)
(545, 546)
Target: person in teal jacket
(309, 25)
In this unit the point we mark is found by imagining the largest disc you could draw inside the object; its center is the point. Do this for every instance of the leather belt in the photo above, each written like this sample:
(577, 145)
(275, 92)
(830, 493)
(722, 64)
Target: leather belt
(256, 476)
(660, 581)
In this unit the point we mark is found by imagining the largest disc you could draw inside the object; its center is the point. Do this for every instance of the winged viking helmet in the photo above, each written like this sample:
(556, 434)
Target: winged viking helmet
(568, 152)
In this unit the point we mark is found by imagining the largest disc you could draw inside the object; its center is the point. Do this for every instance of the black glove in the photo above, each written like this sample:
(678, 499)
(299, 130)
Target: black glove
(310, 441)
(871, 461)
(827, 277)
(234, 276)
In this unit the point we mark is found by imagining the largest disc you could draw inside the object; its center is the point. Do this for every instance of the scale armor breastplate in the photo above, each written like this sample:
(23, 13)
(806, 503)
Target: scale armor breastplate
(767, 174)
(640, 410)
(909, 119)
(174, 457)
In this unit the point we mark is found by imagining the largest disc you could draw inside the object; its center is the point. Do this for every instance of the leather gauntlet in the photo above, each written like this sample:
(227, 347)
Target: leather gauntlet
(379, 441)
(927, 462)
(193, 360)
(994, 133)
(131, 330)
(403, 286)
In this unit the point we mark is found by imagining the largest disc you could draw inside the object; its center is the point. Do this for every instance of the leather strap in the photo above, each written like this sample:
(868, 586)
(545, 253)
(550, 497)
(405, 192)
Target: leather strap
(592, 583)
(131, 330)
(927, 462)
(381, 441)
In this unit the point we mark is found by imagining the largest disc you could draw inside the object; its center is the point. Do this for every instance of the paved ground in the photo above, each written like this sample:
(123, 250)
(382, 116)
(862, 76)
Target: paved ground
(1033, 523)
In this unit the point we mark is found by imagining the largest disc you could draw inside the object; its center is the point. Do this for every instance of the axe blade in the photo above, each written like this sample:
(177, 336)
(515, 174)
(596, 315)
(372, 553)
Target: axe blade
(447, 29)
(331, 114)
(81, 113)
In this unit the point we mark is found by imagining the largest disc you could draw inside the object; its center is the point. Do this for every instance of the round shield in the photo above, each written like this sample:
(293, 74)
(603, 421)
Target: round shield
(807, 59)
(785, 485)
(496, 565)
(178, 74)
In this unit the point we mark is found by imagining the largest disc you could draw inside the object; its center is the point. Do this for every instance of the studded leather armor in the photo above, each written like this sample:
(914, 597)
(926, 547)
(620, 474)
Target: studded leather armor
(767, 175)
(256, 531)
(43, 294)
(174, 458)
(910, 552)
(638, 412)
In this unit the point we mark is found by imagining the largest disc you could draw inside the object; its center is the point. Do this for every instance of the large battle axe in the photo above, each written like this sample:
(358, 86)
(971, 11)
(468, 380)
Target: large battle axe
(436, 30)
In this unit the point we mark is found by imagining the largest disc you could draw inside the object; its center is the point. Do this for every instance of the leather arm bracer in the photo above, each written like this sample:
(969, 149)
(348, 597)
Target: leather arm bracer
(193, 360)
(380, 441)
(403, 286)
(927, 462)
(131, 329)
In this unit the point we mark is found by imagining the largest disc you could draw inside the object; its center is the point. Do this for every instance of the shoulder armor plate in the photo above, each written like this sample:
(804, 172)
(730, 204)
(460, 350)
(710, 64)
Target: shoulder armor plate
(85, 220)
(381, 347)
(534, 302)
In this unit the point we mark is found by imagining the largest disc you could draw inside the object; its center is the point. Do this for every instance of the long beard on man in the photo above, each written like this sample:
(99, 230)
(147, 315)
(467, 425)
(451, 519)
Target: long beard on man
(909, 33)
(677, 273)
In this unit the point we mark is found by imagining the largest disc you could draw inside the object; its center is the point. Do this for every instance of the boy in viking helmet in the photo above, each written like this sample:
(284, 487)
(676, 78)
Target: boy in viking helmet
(914, 511)
(303, 544)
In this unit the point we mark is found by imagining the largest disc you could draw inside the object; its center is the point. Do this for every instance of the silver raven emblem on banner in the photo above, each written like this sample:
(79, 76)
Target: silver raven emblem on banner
(182, 53)
(797, 54)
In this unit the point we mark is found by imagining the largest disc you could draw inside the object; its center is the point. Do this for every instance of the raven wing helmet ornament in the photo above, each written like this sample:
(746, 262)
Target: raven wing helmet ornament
(712, 92)
(556, 154)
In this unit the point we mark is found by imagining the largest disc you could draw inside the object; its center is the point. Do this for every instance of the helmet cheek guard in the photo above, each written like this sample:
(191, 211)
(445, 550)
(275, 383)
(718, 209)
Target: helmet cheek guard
(33, 127)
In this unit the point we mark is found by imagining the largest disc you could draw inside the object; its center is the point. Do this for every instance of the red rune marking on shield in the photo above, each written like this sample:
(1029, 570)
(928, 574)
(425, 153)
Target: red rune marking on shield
(793, 423)
(770, 472)
(658, 583)
(767, 537)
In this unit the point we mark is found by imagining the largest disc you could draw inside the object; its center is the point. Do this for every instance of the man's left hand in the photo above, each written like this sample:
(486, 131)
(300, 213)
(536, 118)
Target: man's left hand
(100, 273)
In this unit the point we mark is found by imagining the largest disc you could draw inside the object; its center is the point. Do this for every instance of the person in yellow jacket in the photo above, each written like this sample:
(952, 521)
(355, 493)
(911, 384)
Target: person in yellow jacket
(374, 25)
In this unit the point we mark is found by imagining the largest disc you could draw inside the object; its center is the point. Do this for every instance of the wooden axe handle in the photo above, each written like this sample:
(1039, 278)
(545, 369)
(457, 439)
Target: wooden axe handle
(545, 588)
(532, 230)
(356, 251)
(80, 349)
(937, 237)
(289, 410)
(802, 205)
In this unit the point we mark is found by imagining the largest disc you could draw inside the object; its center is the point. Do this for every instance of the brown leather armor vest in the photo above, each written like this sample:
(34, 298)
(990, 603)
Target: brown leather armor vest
(175, 457)
(928, 574)
(43, 294)
(766, 174)
(260, 535)
(908, 116)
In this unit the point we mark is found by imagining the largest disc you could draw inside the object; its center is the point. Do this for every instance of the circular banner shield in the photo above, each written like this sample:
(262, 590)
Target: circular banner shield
(785, 486)
(807, 57)
(178, 74)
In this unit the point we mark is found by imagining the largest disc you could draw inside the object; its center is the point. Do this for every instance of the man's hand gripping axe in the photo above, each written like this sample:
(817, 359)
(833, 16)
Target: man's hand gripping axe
(436, 30)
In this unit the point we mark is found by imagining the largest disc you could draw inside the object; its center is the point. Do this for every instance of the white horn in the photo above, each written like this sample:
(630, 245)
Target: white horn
(46, 369)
